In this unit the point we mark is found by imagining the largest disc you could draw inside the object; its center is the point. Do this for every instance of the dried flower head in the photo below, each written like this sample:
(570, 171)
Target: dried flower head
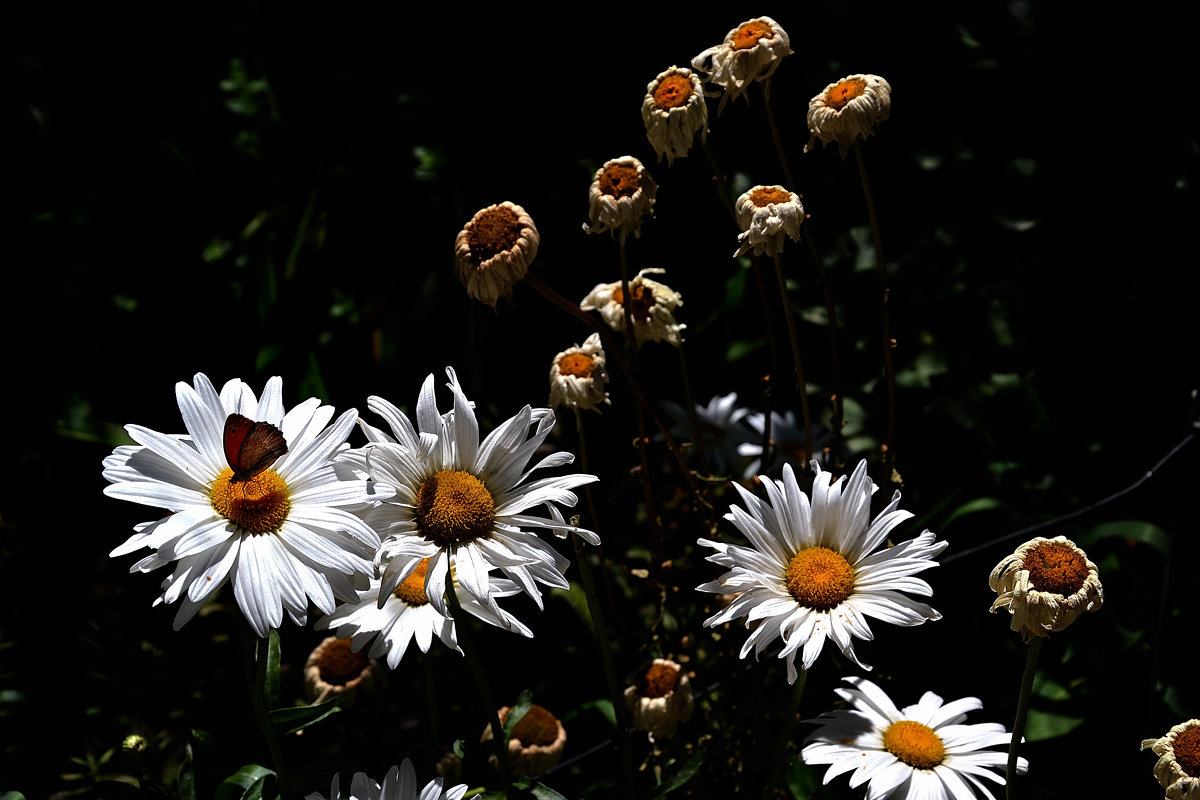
(848, 110)
(621, 194)
(653, 305)
(751, 52)
(334, 669)
(674, 112)
(577, 376)
(766, 214)
(537, 741)
(1178, 767)
(493, 251)
(1045, 585)
(660, 698)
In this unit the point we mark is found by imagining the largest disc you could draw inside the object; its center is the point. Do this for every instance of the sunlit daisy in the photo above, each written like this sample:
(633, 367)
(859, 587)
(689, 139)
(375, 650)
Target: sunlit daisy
(1178, 767)
(660, 698)
(334, 669)
(848, 111)
(653, 305)
(578, 376)
(751, 52)
(457, 497)
(674, 111)
(814, 571)
(766, 214)
(284, 534)
(621, 194)
(537, 741)
(400, 783)
(493, 251)
(1045, 585)
(921, 752)
(406, 615)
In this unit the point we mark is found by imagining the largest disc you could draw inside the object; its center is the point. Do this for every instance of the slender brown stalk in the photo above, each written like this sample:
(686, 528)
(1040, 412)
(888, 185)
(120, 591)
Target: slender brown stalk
(798, 363)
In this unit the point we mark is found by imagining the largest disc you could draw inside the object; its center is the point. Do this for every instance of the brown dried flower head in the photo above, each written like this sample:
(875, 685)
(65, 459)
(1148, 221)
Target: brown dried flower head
(578, 376)
(1178, 767)
(674, 112)
(660, 699)
(751, 52)
(335, 669)
(653, 305)
(848, 111)
(767, 214)
(493, 251)
(537, 741)
(620, 195)
(1045, 585)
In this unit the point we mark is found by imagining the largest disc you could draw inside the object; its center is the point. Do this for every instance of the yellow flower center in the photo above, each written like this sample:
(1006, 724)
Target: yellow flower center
(454, 506)
(1056, 569)
(618, 180)
(844, 91)
(819, 578)
(658, 681)
(538, 726)
(640, 302)
(748, 35)
(578, 365)
(672, 91)
(914, 744)
(764, 196)
(412, 589)
(1187, 750)
(256, 505)
(338, 665)
(494, 231)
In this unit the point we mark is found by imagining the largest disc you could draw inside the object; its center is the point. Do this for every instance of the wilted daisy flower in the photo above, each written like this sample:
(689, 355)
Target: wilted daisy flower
(674, 112)
(400, 783)
(537, 741)
(578, 377)
(493, 251)
(814, 571)
(457, 497)
(766, 214)
(848, 110)
(254, 499)
(653, 305)
(923, 752)
(751, 52)
(719, 431)
(393, 621)
(1178, 767)
(660, 698)
(1045, 585)
(620, 195)
(335, 669)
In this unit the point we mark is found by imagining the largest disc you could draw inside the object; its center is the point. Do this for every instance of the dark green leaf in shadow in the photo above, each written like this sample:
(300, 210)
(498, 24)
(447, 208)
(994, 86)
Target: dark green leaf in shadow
(682, 776)
(248, 783)
(1134, 529)
(285, 721)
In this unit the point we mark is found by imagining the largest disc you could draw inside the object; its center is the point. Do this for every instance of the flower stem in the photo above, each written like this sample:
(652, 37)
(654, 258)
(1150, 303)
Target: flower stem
(798, 364)
(1018, 731)
(775, 136)
(785, 735)
(265, 652)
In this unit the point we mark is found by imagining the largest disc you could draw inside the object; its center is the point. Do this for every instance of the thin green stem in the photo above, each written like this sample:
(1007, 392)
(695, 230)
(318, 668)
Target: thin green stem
(798, 363)
(785, 735)
(837, 420)
(764, 462)
(1018, 731)
(775, 135)
(259, 700)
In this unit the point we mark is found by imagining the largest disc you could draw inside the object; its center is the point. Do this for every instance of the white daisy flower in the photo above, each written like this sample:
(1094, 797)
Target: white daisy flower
(400, 783)
(456, 497)
(923, 752)
(282, 532)
(652, 306)
(719, 431)
(393, 621)
(787, 442)
(814, 571)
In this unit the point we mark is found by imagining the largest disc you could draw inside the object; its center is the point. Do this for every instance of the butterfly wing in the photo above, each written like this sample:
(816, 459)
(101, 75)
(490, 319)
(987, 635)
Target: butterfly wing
(251, 446)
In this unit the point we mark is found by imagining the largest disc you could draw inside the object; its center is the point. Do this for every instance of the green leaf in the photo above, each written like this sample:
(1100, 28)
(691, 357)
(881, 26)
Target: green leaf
(285, 721)
(515, 713)
(544, 792)
(245, 784)
(271, 687)
(802, 780)
(972, 507)
(1135, 529)
(1042, 725)
(682, 776)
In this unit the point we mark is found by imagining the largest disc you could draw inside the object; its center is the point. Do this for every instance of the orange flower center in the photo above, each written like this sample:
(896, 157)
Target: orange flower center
(764, 196)
(338, 665)
(1187, 750)
(259, 504)
(454, 506)
(845, 91)
(412, 589)
(658, 681)
(538, 726)
(1056, 569)
(493, 231)
(819, 578)
(748, 35)
(641, 299)
(578, 365)
(914, 744)
(618, 180)
(672, 91)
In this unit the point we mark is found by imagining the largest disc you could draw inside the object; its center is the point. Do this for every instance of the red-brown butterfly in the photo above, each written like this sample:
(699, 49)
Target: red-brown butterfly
(250, 446)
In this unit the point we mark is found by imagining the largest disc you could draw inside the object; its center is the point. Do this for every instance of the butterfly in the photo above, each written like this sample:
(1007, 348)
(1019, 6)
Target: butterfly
(250, 446)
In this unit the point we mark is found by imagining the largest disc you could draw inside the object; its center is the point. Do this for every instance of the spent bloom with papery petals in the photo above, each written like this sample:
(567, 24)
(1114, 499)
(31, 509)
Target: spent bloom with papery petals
(674, 111)
(1045, 585)
(921, 752)
(751, 52)
(814, 570)
(578, 376)
(766, 214)
(335, 669)
(284, 535)
(1178, 766)
(621, 194)
(660, 698)
(848, 111)
(537, 741)
(400, 783)
(493, 251)
(652, 305)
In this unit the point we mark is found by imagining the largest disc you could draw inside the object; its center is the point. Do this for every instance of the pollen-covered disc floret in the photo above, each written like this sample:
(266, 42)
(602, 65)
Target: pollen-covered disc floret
(848, 110)
(461, 500)
(578, 376)
(674, 111)
(400, 783)
(766, 214)
(493, 251)
(814, 570)
(1178, 766)
(1045, 585)
(921, 752)
(284, 536)
(751, 52)
(621, 194)
(652, 306)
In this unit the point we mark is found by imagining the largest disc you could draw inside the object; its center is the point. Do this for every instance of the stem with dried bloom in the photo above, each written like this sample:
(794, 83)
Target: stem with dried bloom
(775, 136)
(798, 364)
(1018, 731)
